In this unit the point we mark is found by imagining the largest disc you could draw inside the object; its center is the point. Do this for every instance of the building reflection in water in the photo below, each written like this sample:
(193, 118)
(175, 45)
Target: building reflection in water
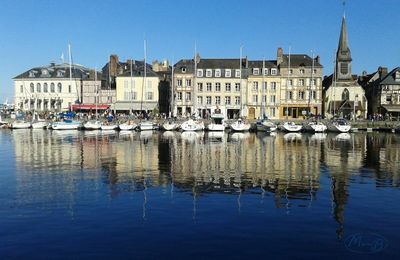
(288, 167)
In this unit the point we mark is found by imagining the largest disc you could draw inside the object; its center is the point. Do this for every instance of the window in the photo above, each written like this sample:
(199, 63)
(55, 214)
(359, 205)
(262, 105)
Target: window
(188, 96)
(179, 83)
(134, 95)
(290, 72)
(344, 69)
(60, 73)
(217, 100)
(200, 87)
(21, 89)
(265, 71)
(31, 74)
(290, 95)
(69, 89)
(256, 71)
(179, 96)
(149, 86)
(290, 82)
(301, 82)
(302, 71)
(237, 100)
(32, 88)
(183, 69)
(237, 87)
(255, 86)
(200, 100)
(264, 99)
(228, 87)
(39, 104)
(313, 82)
(217, 87)
(313, 94)
(274, 71)
(397, 76)
(45, 72)
(301, 95)
(272, 111)
(149, 95)
(208, 73)
(237, 73)
(227, 73)
(217, 73)
(52, 88)
(38, 88)
(388, 98)
(208, 85)
(45, 88)
(272, 98)
(255, 98)
(59, 88)
(345, 94)
(208, 100)
(188, 82)
(227, 100)
(273, 85)
(264, 86)
(199, 73)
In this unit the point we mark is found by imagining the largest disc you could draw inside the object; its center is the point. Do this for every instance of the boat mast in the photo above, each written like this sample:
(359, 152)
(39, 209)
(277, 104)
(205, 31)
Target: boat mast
(334, 84)
(240, 82)
(131, 98)
(311, 84)
(70, 67)
(287, 86)
(263, 91)
(172, 98)
(144, 76)
(96, 88)
(194, 81)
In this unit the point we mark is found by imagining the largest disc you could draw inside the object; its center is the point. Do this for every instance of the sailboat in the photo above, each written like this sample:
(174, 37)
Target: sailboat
(193, 124)
(240, 125)
(38, 123)
(289, 126)
(145, 125)
(170, 124)
(93, 124)
(129, 124)
(264, 124)
(218, 121)
(313, 124)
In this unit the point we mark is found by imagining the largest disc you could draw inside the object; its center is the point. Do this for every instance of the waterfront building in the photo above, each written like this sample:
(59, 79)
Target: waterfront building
(183, 78)
(55, 87)
(383, 92)
(300, 85)
(264, 89)
(132, 91)
(343, 95)
(163, 70)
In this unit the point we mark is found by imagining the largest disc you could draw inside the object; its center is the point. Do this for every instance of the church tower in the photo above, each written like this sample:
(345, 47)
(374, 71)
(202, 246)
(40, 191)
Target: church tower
(343, 55)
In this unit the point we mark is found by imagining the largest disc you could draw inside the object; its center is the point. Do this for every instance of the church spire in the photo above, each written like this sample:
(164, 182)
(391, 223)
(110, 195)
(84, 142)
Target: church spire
(343, 55)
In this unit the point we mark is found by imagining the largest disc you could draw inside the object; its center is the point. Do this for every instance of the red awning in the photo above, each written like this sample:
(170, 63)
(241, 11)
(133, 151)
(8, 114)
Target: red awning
(89, 107)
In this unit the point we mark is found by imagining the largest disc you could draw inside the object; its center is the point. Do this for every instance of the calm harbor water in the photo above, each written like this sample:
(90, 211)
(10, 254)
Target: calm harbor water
(71, 194)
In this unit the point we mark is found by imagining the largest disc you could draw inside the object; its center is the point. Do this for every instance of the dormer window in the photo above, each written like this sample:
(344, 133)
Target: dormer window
(45, 72)
(218, 73)
(237, 73)
(60, 73)
(265, 71)
(199, 73)
(274, 72)
(31, 74)
(397, 76)
(256, 71)
(183, 69)
(227, 73)
(208, 73)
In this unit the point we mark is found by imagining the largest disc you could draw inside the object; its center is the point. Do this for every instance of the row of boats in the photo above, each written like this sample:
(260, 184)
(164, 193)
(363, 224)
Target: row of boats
(218, 123)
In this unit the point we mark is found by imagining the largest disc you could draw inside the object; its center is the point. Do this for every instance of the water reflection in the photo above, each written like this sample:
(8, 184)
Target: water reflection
(287, 167)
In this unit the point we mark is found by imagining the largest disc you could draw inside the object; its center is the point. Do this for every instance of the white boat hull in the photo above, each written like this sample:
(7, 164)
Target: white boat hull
(65, 125)
(170, 126)
(240, 126)
(92, 125)
(216, 127)
(145, 126)
(192, 125)
(109, 127)
(127, 127)
(266, 126)
(20, 125)
(291, 127)
(339, 128)
(315, 127)
(39, 125)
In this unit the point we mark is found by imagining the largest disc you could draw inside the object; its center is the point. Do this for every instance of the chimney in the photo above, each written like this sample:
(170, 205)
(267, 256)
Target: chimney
(318, 59)
(279, 56)
(383, 71)
(113, 64)
(198, 57)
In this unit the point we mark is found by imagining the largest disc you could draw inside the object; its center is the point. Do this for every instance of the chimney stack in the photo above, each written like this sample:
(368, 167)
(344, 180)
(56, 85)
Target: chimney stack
(279, 56)
(113, 65)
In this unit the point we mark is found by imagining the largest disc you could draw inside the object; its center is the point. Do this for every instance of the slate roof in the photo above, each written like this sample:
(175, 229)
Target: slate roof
(124, 69)
(53, 71)
(298, 60)
(259, 64)
(390, 79)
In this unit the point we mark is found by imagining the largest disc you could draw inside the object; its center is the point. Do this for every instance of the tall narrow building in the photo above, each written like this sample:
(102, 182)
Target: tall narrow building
(343, 96)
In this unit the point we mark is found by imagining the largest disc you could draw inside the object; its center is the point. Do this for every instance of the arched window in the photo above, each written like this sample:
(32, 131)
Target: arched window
(59, 88)
(45, 88)
(345, 94)
(38, 88)
(52, 88)
(32, 88)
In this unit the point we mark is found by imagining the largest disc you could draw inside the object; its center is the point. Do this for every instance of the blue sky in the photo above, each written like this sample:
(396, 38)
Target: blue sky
(35, 33)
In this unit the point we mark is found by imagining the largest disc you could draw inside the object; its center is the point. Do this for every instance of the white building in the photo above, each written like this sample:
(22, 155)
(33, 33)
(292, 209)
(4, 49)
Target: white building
(50, 88)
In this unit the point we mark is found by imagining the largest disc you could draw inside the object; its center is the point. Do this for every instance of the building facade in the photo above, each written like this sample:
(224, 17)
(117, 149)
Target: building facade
(343, 95)
(51, 88)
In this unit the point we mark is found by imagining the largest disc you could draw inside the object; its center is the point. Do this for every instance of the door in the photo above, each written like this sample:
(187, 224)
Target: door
(252, 113)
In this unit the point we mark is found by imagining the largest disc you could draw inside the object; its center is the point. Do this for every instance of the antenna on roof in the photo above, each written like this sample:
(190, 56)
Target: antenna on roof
(344, 9)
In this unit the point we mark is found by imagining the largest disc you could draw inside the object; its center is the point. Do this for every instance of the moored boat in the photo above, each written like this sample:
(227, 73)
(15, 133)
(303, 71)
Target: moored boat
(128, 126)
(290, 127)
(314, 126)
(170, 126)
(146, 126)
(339, 126)
(20, 124)
(240, 126)
(92, 125)
(266, 125)
(40, 125)
(109, 126)
(217, 123)
(192, 125)
(67, 124)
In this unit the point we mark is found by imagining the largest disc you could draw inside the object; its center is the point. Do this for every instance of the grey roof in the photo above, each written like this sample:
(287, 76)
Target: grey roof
(221, 63)
(259, 64)
(299, 60)
(60, 71)
(187, 64)
(124, 69)
(390, 79)
(328, 81)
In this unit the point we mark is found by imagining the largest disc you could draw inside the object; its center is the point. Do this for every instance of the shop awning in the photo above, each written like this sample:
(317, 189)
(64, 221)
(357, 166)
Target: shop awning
(89, 107)
(392, 108)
